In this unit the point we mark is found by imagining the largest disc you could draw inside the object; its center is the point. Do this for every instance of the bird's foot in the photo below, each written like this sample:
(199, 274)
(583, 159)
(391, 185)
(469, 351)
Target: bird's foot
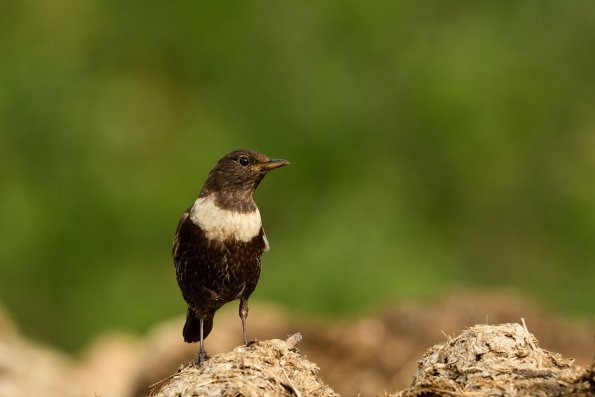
(249, 342)
(201, 357)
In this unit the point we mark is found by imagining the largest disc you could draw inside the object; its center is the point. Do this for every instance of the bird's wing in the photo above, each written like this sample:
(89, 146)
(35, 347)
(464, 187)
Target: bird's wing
(176, 243)
(266, 242)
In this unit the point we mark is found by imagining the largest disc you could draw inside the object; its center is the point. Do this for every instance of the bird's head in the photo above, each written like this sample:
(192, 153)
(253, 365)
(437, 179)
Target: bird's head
(239, 172)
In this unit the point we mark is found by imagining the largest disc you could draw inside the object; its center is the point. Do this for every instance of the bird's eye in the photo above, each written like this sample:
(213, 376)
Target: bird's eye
(244, 161)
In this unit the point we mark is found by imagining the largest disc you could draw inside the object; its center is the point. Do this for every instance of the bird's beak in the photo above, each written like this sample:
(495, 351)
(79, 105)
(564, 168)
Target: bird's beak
(272, 164)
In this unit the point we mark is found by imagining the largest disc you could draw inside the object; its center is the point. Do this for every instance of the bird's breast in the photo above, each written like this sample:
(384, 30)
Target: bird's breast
(221, 224)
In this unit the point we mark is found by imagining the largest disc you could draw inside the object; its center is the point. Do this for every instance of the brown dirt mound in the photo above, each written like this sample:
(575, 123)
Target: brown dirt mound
(380, 351)
(497, 360)
(266, 368)
(366, 354)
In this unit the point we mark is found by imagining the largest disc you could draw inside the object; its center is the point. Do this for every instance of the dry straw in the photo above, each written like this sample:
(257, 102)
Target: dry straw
(266, 368)
(497, 360)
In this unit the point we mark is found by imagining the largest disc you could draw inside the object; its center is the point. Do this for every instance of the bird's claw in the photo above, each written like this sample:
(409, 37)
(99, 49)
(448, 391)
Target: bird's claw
(201, 358)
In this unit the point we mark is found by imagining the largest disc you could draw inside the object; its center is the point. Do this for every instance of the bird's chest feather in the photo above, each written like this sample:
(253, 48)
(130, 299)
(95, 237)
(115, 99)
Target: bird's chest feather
(223, 224)
(214, 268)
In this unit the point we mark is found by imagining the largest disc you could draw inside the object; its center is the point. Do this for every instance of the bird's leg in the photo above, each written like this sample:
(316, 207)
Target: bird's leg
(244, 316)
(202, 353)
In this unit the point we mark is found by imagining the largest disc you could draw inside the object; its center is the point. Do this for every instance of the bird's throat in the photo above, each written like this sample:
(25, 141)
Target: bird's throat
(222, 223)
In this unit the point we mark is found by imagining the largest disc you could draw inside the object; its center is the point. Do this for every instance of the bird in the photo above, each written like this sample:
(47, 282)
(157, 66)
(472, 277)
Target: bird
(219, 241)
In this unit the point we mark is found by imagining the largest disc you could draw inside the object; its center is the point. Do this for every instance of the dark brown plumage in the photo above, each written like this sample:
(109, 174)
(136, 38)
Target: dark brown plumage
(219, 241)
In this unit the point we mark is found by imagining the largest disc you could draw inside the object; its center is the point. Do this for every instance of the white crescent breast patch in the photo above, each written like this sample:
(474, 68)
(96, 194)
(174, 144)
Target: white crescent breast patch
(221, 224)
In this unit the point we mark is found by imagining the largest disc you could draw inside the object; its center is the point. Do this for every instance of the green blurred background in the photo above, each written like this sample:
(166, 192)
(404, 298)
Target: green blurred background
(433, 145)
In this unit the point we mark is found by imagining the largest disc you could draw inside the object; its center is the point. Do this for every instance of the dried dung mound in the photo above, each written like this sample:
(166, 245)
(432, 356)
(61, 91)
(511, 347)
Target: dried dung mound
(380, 351)
(497, 360)
(271, 367)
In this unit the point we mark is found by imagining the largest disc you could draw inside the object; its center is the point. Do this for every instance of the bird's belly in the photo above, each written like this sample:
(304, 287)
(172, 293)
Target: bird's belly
(235, 278)
(208, 280)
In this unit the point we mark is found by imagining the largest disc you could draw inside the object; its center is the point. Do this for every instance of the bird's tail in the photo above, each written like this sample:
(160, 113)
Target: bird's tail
(191, 330)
